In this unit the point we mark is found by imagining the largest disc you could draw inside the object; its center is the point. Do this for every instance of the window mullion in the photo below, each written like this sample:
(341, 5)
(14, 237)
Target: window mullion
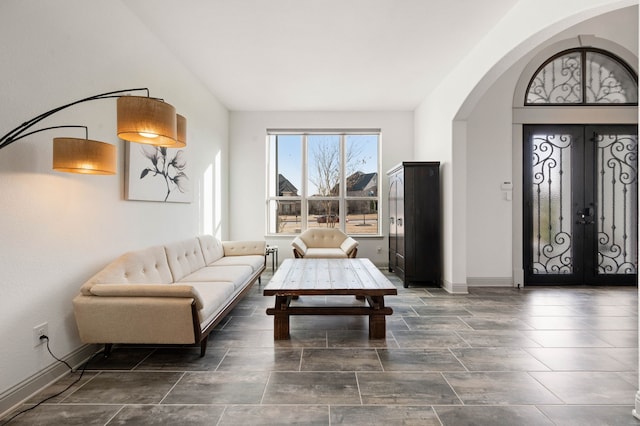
(342, 193)
(305, 170)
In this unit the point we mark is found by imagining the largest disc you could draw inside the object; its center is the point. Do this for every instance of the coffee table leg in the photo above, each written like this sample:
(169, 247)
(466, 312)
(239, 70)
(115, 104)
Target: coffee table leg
(377, 327)
(281, 319)
(377, 322)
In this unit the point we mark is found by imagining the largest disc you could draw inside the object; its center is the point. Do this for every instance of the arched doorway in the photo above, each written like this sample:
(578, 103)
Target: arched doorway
(580, 183)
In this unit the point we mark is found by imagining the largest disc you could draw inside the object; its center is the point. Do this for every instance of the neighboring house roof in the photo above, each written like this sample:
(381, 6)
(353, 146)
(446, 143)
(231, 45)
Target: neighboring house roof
(285, 187)
(360, 181)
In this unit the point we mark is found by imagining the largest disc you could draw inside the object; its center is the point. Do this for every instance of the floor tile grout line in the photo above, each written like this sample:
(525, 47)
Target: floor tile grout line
(184, 373)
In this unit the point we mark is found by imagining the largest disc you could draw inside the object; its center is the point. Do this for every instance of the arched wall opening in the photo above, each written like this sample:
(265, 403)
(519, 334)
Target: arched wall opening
(465, 207)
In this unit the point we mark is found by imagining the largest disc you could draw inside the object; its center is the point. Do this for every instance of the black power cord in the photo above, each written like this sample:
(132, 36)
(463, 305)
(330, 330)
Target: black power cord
(84, 367)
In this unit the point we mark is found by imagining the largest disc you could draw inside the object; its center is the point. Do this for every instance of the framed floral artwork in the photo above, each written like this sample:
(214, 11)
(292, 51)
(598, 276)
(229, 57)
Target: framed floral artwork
(156, 173)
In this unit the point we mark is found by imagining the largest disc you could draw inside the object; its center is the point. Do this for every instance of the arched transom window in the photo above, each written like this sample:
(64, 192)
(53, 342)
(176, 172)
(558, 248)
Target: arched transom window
(583, 76)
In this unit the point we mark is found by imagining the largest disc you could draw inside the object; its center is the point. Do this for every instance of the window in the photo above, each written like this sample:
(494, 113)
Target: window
(584, 77)
(307, 174)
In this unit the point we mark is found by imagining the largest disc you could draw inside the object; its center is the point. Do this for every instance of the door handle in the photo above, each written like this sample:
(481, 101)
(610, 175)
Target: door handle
(585, 216)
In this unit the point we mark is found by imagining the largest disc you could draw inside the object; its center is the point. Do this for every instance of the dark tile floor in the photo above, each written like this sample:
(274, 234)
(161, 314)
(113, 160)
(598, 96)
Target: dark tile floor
(498, 356)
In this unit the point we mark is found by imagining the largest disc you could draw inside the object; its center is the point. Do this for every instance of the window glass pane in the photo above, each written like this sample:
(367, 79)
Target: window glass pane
(552, 209)
(362, 216)
(607, 81)
(362, 165)
(559, 82)
(323, 159)
(323, 214)
(286, 163)
(285, 217)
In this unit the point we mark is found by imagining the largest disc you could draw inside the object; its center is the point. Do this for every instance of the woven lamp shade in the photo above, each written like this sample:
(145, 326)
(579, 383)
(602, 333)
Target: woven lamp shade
(182, 132)
(74, 155)
(147, 120)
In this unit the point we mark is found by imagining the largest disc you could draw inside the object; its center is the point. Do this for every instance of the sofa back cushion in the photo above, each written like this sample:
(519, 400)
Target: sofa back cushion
(148, 266)
(184, 257)
(212, 248)
(323, 237)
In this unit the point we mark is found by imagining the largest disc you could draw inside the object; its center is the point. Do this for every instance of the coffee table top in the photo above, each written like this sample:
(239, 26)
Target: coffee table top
(358, 277)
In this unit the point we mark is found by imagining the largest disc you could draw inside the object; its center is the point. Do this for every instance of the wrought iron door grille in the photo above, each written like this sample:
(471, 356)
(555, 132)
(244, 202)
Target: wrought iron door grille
(552, 251)
(617, 202)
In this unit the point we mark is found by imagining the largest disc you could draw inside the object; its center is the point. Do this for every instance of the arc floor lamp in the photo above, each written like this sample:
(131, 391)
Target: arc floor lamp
(141, 119)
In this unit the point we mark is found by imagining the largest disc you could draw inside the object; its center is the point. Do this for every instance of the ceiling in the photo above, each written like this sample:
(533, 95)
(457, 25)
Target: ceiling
(320, 55)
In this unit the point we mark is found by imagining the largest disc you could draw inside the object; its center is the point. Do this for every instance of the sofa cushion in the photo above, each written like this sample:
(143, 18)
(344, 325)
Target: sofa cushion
(211, 248)
(255, 262)
(244, 248)
(237, 274)
(147, 290)
(328, 253)
(184, 257)
(148, 266)
(214, 295)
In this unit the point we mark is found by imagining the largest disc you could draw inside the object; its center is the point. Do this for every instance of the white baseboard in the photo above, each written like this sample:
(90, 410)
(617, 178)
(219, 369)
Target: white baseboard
(490, 281)
(455, 288)
(24, 390)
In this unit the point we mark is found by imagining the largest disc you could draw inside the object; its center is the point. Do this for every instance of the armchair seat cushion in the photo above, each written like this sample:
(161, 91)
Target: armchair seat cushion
(325, 253)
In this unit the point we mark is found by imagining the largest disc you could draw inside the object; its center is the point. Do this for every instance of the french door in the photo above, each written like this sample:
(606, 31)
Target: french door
(580, 204)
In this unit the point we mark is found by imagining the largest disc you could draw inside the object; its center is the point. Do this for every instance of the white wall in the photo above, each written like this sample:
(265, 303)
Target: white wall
(441, 119)
(247, 159)
(490, 227)
(56, 229)
(488, 219)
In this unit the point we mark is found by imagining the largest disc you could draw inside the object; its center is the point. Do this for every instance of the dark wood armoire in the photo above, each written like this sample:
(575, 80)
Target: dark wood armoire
(415, 236)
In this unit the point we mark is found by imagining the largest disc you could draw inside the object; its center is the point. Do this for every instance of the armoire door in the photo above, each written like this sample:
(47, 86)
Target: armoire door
(580, 204)
(396, 223)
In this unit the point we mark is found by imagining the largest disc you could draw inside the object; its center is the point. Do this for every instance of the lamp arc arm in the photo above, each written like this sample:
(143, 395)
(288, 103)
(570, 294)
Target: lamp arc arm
(66, 126)
(19, 132)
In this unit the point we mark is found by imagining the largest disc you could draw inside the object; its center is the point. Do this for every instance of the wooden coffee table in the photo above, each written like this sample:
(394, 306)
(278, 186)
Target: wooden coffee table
(329, 277)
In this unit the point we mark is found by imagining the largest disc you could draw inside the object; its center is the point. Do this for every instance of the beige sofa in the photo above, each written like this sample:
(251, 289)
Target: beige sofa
(324, 243)
(171, 294)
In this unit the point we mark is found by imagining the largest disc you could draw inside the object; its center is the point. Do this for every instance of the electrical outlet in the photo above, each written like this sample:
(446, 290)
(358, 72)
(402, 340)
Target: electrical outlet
(40, 330)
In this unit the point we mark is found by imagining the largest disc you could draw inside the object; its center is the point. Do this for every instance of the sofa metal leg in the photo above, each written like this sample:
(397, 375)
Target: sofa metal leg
(107, 349)
(203, 346)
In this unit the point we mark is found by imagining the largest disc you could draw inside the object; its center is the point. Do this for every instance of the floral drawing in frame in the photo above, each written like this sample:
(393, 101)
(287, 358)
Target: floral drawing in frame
(157, 174)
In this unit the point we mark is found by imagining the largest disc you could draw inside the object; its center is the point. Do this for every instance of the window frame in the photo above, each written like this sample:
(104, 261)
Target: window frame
(304, 198)
(583, 51)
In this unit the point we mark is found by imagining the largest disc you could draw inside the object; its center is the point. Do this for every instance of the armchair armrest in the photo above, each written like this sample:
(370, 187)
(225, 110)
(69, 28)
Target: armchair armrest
(349, 245)
(148, 290)
(299, 247)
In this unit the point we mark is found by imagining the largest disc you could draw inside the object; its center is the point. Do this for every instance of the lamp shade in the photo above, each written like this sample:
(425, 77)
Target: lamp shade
(182, 132)
(147, 120)
(73, 155)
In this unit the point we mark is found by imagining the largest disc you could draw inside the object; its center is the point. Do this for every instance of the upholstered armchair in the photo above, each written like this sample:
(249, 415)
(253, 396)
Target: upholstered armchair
(324, 243)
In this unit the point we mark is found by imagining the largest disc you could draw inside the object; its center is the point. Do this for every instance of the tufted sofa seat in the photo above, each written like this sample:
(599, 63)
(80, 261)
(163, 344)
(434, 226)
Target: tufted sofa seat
(324, 243)
(171, 294)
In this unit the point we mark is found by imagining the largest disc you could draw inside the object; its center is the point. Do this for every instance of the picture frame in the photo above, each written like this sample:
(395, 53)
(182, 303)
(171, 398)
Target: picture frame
(154, 173)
